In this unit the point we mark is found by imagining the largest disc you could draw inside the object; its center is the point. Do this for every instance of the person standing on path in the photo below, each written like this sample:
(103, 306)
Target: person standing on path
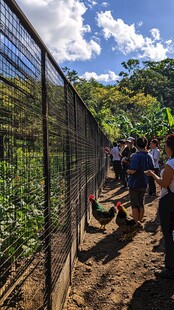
(166, 206)
(115, 151)
(126, 154)
(155, 153)
(137, 180)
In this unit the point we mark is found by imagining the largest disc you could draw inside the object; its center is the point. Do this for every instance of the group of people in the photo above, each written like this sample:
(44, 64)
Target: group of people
(120, 156)
(138, 168)
(122, 153)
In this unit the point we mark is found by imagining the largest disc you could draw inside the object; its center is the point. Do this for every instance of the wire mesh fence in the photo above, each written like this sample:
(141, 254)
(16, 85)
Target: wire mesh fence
(51, 158)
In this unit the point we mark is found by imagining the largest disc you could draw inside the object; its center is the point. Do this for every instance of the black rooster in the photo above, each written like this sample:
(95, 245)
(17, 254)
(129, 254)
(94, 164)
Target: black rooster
(102, 215)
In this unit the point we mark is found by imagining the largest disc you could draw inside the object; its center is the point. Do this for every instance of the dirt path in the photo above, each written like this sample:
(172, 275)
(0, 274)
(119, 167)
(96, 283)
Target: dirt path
(112, 274)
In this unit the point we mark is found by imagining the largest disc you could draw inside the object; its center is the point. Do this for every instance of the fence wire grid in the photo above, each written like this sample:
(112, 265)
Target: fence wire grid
(51, 159)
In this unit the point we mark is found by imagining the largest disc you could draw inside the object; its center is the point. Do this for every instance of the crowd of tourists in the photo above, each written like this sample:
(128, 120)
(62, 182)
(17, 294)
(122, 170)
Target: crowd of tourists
(136, 166)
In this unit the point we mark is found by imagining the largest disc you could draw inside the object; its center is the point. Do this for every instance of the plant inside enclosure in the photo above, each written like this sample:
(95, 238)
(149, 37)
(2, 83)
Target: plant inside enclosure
(22, 203)
(21, 207)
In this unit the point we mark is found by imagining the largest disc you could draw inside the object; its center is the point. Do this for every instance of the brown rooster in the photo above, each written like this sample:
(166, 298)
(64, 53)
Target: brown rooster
(102, 215)
(127, 225)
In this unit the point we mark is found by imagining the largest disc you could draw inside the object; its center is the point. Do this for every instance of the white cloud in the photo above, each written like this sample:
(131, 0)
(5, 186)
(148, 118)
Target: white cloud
(127, 40)
(105, 4)
(38, 3)
(155, 34)
(139, 24)
(91, 3)
(110, 76)
(154, 52)
(61, 26)
(124, 35)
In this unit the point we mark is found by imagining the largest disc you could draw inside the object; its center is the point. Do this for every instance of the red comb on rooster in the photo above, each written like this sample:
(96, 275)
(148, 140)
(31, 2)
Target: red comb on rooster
(91, 198)
(118, 205)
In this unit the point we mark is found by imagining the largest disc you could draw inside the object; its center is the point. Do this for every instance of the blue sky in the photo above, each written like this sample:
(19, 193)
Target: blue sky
(95, 37)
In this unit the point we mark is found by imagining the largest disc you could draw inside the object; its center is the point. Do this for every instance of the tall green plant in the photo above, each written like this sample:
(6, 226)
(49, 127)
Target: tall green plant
(21, 208)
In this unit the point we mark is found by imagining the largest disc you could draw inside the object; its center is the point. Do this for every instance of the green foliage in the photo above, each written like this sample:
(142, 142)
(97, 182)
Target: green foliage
(22, 183)
(58, 188)
(22, 204)
(71, 75)
(140, 104)
(155, 79)
(170, 118)
(21, 208)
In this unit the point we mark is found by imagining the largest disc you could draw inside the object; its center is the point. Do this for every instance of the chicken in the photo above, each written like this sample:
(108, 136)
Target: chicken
(126, 224)
(102, 215)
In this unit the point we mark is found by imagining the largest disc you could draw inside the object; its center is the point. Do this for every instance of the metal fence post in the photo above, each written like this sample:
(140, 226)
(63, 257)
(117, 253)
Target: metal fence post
(68, 176)
(77, 157)
(47, 237)
(1, 148)
(86, 176)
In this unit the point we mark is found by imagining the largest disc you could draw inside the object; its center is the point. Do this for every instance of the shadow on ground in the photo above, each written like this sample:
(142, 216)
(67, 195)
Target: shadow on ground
(153, 295)
(105, 250)
(111, 185)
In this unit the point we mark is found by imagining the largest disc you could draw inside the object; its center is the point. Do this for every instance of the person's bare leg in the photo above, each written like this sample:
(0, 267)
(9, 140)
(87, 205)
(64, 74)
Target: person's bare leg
(141, 214)
(135, 214)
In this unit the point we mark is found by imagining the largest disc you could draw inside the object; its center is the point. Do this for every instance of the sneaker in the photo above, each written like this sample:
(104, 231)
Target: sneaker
(165, 273)
(139, 226)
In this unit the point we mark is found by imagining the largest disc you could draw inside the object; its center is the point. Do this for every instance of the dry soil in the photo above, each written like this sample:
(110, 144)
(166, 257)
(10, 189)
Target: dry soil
(119, 275)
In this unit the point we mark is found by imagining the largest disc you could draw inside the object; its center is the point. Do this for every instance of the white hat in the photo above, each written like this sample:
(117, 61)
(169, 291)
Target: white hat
(130, 139)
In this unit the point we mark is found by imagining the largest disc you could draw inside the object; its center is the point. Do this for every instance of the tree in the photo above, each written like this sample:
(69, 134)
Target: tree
(72, 76)
(155, 79)
(141, 103)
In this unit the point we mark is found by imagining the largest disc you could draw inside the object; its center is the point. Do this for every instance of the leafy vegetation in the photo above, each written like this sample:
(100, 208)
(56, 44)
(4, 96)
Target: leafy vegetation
(140, 103)
(21, 205)
(22, 183)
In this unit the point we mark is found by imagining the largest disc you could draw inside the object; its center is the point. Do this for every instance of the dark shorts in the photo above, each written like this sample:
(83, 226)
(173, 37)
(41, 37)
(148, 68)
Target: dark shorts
(137, 197)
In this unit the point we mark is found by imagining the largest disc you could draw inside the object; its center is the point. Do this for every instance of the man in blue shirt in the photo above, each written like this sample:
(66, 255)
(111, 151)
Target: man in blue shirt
(139, 163)
(126, 154)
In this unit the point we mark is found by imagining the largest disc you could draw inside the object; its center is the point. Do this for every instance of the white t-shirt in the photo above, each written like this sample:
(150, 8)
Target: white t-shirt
(155, 155)
(164, 191)
(115, 152)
